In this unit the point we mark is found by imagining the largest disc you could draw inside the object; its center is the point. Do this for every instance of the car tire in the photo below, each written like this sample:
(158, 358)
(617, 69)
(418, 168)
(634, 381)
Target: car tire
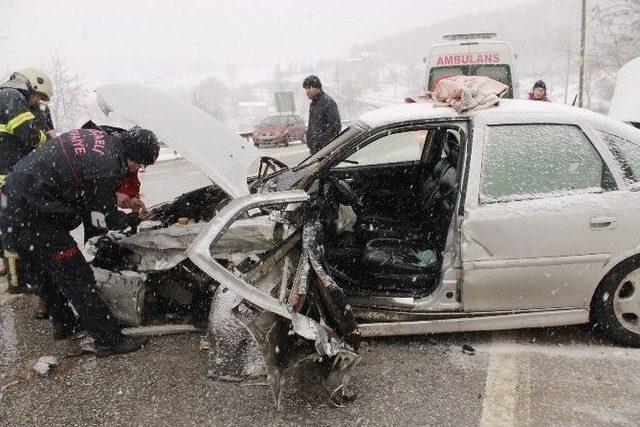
(615, 307)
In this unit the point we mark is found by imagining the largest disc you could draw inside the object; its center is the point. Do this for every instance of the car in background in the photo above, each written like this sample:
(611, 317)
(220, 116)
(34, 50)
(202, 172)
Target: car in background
(280, 130)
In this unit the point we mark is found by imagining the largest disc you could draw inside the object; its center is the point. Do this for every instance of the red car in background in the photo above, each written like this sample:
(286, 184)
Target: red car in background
(280, 130)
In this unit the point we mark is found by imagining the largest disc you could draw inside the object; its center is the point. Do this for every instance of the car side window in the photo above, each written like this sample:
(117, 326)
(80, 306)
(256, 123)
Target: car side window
(529, 161)
(392, 148)
(626, 153)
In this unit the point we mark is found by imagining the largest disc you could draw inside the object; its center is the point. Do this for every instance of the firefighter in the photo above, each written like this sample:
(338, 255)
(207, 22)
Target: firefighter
(70, 177)
(20, 130)
(128, 193)
(23, 124)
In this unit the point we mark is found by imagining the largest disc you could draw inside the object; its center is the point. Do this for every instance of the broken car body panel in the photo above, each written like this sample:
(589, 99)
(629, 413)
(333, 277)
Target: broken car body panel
(200, 254)
(270, 332)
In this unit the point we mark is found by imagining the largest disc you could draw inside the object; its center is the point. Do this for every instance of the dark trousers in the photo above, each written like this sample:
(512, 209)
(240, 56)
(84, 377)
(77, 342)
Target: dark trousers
(53, 264)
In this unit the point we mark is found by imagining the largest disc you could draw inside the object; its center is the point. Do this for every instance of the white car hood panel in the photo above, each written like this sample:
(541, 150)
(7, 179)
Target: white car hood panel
(203, 140)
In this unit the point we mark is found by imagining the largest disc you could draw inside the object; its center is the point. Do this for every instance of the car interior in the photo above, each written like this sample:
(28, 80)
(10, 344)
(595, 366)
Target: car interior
(385, 218)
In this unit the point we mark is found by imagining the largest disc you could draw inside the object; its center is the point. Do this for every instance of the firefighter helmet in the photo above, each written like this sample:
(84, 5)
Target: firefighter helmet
(38, 81)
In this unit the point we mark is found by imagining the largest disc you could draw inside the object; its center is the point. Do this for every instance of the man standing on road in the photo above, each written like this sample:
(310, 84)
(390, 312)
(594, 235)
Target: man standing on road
(324, 117)
(49, 191)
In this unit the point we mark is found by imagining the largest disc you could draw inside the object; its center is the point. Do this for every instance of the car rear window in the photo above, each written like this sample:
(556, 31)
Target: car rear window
(626, 153)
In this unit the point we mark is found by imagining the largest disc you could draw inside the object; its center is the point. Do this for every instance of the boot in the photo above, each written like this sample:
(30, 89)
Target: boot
(39, 309)
(127, 345)
(62, 331)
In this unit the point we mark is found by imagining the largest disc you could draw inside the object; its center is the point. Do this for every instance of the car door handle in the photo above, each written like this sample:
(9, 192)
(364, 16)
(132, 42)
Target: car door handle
(603, 222)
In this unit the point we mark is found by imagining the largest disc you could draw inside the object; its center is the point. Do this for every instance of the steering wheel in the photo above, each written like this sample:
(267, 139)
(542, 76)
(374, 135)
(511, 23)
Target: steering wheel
(350, 196)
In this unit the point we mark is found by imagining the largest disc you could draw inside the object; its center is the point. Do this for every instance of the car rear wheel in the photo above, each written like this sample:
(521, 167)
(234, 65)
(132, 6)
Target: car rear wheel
(616, 305)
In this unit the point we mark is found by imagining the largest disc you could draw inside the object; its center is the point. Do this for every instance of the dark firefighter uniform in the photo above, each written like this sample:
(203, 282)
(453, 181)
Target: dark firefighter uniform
(46, 195)
(20, 131)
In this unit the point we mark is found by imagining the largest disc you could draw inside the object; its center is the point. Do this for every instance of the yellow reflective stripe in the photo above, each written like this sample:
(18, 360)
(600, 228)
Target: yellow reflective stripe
(18, 120)
(2, 178)
(42, 138)
(3, 128)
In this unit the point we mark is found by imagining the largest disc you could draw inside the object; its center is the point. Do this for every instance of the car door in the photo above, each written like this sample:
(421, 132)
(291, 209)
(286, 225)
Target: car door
(543, 214)
(383, 171)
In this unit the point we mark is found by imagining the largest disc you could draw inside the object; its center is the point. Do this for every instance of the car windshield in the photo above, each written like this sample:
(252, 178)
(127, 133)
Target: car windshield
(345, 135)
(274, 120)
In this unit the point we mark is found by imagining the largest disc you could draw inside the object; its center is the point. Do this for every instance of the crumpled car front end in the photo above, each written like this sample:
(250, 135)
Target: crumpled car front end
(281, 303)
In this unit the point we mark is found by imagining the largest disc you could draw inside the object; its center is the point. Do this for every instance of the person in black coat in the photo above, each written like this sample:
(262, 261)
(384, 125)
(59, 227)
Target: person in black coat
(324, 117)
(49, 191)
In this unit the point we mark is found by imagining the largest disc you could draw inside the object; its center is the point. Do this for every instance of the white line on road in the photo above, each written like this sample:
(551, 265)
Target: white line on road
(507, 393)
(8, 346)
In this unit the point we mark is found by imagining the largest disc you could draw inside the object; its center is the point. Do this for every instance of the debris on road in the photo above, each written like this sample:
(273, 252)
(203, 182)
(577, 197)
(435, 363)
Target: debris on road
(204, 344)
(467, 349)
(44, 365)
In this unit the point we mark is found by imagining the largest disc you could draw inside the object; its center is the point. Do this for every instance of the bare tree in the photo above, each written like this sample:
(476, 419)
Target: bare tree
(68, 102)
(210, 96)
(613, 42)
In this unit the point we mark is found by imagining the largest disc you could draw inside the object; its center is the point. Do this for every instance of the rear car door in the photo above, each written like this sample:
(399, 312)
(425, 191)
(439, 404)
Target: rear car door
(543, 214)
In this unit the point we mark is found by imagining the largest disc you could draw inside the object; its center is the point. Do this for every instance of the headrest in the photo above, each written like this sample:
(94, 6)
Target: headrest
(452, 148)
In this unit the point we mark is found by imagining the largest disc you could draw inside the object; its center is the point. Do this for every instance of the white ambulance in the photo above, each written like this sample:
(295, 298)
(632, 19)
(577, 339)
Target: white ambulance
(625, 104)
(477, 54)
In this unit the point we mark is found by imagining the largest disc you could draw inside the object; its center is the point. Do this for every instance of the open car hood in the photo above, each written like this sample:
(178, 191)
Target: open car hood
(206, 142)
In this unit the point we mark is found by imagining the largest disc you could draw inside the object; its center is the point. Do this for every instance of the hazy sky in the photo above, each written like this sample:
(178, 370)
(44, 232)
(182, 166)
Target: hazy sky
(165, 40)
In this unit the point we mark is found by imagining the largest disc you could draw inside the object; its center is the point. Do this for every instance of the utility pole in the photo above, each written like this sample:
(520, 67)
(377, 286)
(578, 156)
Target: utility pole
(583, 32)
(566, 79)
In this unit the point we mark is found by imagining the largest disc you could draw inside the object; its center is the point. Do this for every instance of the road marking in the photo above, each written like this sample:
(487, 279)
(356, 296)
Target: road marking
(507, 394)
(8, 344)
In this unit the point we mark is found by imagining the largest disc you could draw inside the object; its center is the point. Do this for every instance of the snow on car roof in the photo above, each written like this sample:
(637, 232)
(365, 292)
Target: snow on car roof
(427, 110)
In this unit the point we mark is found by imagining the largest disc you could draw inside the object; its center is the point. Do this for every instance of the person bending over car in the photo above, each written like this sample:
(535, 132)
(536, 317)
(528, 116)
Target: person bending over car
(70, 177)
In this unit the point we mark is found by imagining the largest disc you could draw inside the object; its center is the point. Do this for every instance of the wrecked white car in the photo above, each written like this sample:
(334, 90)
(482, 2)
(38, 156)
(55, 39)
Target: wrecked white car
(414, 220)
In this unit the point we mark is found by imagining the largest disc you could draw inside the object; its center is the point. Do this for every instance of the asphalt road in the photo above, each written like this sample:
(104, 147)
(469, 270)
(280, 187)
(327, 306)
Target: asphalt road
(559, 376)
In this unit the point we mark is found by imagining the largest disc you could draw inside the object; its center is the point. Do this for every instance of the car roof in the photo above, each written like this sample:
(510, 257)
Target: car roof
(428, 111)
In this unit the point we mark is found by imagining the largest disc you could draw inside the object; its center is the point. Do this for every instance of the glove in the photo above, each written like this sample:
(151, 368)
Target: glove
(133, 220)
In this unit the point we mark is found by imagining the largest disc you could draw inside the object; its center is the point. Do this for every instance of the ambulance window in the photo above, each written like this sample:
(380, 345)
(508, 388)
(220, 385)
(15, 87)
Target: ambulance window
(499, 72)
(439, 73)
